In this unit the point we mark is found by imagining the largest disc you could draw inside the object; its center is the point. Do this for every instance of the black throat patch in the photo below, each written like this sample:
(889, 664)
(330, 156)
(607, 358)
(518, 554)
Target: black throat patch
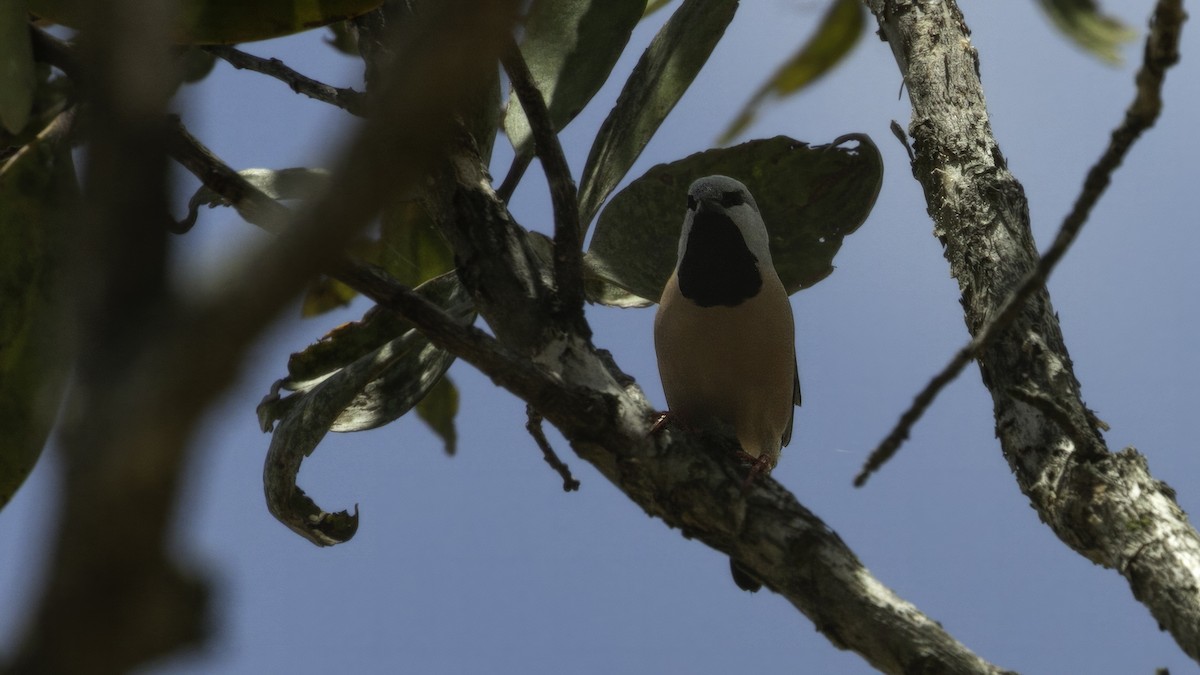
(717, 268)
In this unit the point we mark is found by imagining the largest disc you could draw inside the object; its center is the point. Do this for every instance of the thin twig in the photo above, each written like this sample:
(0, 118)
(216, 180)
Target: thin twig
(516, 171)
(1161, 52)
(534, 427)
(345, 98)
(568, 244)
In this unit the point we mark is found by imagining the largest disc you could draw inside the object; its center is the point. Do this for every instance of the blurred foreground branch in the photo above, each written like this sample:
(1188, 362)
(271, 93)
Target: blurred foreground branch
(152, 363)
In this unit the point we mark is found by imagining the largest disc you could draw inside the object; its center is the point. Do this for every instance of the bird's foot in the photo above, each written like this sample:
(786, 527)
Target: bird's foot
(661, 420)
(667, 417)
(759, 466)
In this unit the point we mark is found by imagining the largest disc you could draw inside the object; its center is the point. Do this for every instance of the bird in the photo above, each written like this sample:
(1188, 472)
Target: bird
(724, 335)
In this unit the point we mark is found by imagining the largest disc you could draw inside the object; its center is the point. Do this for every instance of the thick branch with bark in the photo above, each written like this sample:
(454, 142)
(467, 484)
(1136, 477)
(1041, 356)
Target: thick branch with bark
(1104, 505)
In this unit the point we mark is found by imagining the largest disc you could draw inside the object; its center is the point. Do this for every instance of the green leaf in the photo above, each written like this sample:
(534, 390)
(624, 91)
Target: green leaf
(1088, 27)
(390, 364)
(37, 193)
(660, 78)
(571, 47)
(839, 31)
(358, 377)
(653, 6)
(438, 409)
(18, 75)
(810, 197)
(325, 294)
(229, 21)
(293, 183)
(411, 247)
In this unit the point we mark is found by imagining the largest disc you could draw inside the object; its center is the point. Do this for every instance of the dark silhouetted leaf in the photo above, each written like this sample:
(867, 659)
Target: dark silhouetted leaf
(438, 410)
(664, 72)
(840, 29)
(810, 197)
(37, 189)
(1088, 27)
(571, 46)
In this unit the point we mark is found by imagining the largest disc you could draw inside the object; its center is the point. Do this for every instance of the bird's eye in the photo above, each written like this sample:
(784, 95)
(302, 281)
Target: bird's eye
(730, 199)
(691, 203)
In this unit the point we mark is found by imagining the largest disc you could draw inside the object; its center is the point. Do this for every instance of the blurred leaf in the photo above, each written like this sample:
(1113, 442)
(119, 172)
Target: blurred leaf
(411, 247)
(325, 295)
(344, 38)
(196, 64)
(810, 197)
(571, 47)
(839, 31)
(229, 21)
(438, 410)
(358, 377)
(660, 78)
(1088, 27)
(18, 78)
(294, 183)
(37, 191)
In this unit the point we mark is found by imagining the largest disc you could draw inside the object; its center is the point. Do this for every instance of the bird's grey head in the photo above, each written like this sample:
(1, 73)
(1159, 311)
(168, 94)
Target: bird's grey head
(723, 249)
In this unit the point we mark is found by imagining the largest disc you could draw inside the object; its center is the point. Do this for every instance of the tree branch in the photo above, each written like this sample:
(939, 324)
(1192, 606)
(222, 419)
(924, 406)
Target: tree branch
(568, 244)
(1106, 506)
(533, 425)
(345, 98)
(1161, 52)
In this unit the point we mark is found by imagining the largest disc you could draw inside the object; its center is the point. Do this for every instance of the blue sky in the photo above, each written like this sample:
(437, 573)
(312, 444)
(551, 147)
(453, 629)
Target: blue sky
(481, 564)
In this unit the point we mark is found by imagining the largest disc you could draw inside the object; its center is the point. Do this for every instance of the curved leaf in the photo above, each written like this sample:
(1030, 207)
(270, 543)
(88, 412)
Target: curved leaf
(662, 75)
(358, 377)
(810, 197)
(229, 21)
(571, 46)
(292, 183)
(1088, 27)
(840, 29)
(37, 189)
(405, 364)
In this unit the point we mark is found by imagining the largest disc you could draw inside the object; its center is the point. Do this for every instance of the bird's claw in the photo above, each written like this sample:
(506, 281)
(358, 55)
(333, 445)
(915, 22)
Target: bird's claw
(759, 466)
(660, 421)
